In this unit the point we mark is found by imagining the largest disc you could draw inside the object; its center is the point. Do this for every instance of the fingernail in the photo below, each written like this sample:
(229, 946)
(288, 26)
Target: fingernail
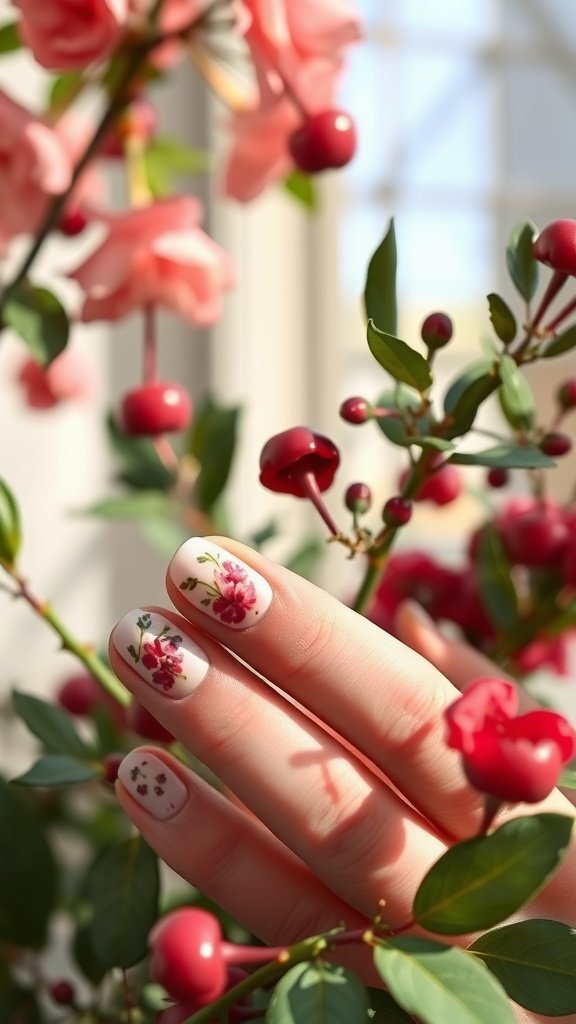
(160, 653)
(212, 580)
(153, 784)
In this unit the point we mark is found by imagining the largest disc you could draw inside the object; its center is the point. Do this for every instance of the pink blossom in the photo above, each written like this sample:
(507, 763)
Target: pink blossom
(156, 255)
(297, 47)
(237, 593)
(68, 377)
(34, 166)
(68, 34)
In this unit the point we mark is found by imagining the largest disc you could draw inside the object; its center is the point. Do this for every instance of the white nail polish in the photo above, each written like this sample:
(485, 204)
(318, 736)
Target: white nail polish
(160, 652)
(152, 784)
(215, 582)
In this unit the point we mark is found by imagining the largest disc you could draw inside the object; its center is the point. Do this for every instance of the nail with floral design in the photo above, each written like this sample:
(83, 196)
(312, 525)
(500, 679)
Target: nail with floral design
(219, 584)
(165, 658)
(153, 784)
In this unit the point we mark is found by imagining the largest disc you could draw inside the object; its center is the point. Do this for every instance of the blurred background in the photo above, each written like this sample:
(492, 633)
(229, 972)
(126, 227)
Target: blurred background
(466, 115)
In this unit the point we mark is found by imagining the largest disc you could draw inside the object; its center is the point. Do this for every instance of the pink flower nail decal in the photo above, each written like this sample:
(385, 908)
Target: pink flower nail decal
(220, 585)
(171, 662)
(155, 786)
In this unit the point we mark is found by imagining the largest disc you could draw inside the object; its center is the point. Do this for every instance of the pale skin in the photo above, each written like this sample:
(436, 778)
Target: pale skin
(346, 791)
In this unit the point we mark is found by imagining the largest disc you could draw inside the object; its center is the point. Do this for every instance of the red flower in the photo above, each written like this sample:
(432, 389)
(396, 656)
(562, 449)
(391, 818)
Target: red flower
(160, 655)
(516, 758)
(237, 593)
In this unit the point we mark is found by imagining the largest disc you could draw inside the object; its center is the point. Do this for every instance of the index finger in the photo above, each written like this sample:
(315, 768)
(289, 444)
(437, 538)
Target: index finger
(378, 695)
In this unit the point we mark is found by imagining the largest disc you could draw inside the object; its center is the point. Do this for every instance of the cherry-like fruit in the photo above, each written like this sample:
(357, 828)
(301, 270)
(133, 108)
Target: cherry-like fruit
(324, 141)
(158, 407)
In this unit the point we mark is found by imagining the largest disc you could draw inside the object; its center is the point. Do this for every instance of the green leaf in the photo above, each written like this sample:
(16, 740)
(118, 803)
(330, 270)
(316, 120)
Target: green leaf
(440, 984)
(502, 317)
(506, 456)
(63, 89)
(51, 724)
(165, 535)
(303, 188)
(380, 287)
(141, 467)
(18, 1005)
(168, 157)
(405, 428)
(318, 993)
(565, 342)
(479, 882)
(58, 770)
(535, 961)
(38, 318)
(384, 1009)
(522, 266)
(85, 956)
(568, 779)
(403, 363)
(304, 560)
(123, 890)
(10, 527)
(212, 441)
(10, 38)
(138, 505)
(467, 393)
(497, 588)
(27, 872)
(515, 395)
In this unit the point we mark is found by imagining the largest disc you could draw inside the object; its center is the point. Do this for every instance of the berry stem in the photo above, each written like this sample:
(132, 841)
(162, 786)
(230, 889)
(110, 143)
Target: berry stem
(83, 652)
(150, 361)
(312, 492)
(554, 285)
(564, 312)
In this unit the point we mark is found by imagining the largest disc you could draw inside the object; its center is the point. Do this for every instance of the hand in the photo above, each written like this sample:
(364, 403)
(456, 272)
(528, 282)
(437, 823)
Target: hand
(328, 731)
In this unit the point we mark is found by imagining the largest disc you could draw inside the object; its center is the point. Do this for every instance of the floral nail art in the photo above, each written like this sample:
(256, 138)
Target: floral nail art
(222, 586)
(149, 780)
(172, 663)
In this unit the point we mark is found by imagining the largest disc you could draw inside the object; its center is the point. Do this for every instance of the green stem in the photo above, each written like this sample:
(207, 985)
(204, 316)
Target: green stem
(107, 679)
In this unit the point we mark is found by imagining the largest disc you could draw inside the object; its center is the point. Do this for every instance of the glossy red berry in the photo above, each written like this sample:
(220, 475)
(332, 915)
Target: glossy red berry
(79, 695)
(444, 486)
(142, 722)
(497, 477)
(397, 511)
(566, 394)
(323, 141)
(291, 456)
(156, 408)
(358, 498)
(556, 444)
(110, 766)
(61, 992)
(72, 222)
(437, 330)
(556, 246)
(186, 956)
(355, 410)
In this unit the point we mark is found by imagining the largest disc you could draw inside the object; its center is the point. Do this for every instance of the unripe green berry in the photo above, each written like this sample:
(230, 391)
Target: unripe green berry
(358, 498)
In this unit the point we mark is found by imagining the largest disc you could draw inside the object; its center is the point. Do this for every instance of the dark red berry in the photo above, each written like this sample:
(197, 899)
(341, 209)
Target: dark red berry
(397, 511)
(497, 477)
(72, 222)
(156, 408)
(110, 767)
(288, 458)
(566, 394)
(79, 695)
(569, 565)
(442, 487)
(556, 246)
(436, 330)
(324, 141)
(358, 498)
(355, 410)
(186, 956)
(534, 533)
(61, 992)
(556, 444)
(142, 722)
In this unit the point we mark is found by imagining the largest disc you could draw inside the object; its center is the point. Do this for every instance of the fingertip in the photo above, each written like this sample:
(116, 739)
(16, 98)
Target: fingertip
(417, 629)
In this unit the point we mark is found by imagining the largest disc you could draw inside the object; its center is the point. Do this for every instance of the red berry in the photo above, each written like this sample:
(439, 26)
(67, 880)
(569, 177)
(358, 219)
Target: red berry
(556, 246)
(497, 477)
(397, 511)
(72, 222)
(156, 408)
(294, 454)
(142, 721)
(186, 956)
(436, 330)
(61, 992)
(110, 767)
(324, 141)
(555, 444)
(566, 394)
(355, 410)
(79, 695)
(441, 488)
(534, 533)
(569, 565)
(358, 498)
